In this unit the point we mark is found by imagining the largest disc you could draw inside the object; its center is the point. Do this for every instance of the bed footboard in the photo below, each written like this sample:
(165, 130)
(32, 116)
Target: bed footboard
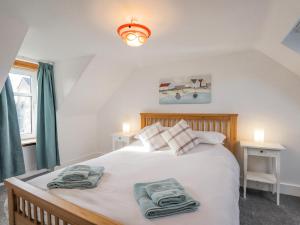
(28, 205)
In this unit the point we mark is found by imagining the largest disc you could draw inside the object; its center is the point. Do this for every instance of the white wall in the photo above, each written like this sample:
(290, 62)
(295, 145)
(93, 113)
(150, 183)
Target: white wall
(78, 141)
(77, 137)
(82, 86)
(67, 73)
(262, 92)
(30, 163)
(76, 132)
(99, 76)
(29, 158)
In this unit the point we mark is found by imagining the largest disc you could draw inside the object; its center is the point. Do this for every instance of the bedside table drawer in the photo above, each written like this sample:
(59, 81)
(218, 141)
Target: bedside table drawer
(263, 152)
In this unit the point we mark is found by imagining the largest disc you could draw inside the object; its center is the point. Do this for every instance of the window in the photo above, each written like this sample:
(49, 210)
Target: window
(292, 40)
(24, 84)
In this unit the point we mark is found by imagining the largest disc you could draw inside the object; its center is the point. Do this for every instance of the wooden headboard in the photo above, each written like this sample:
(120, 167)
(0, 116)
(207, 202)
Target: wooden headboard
(224, 123)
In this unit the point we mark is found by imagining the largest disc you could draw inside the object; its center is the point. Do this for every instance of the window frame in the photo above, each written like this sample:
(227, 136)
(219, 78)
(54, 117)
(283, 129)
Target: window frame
(28, 69)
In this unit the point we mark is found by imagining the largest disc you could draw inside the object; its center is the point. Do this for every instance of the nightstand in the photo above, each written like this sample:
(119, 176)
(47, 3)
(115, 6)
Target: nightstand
(271, 150)
(121, 139)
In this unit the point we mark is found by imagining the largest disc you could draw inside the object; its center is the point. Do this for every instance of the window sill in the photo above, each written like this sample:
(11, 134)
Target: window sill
(28, 142)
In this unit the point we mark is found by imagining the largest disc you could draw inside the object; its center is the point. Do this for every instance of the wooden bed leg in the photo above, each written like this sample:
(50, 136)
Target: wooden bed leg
(11, 206)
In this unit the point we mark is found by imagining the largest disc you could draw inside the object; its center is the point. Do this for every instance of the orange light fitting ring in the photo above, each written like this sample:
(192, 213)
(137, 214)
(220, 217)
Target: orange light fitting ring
(132, 25)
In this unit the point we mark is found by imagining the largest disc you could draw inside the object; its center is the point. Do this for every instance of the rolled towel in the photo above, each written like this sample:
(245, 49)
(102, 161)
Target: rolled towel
(151, 210)
(75, 175)
(78, 172)
(90, 182)
(166, 192)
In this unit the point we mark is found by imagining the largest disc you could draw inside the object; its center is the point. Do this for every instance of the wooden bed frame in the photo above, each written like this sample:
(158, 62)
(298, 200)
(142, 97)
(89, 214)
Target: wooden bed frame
(28, 205)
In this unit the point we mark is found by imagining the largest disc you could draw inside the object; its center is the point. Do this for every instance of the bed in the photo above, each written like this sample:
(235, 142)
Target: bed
(210, 173)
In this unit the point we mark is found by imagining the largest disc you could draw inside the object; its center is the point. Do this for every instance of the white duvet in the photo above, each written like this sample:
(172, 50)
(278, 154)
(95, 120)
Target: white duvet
(209, 173)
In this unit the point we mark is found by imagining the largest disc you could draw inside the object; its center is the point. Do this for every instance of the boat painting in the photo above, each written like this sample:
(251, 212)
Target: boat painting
(189, 90)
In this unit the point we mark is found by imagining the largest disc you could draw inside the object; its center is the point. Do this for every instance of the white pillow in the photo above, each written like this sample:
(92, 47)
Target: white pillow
(210, 137)
(180, 138)
(151, 137)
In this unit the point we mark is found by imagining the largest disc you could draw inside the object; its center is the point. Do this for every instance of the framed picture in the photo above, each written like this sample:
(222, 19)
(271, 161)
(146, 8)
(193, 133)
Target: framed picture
(188, 90)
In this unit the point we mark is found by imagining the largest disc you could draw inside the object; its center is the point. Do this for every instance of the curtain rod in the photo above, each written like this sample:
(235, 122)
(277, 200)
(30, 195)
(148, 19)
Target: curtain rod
(34, 60)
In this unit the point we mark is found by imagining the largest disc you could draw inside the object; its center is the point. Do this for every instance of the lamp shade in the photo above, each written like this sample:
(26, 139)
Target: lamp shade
(134, 34)
(259, 135)
(126, 127)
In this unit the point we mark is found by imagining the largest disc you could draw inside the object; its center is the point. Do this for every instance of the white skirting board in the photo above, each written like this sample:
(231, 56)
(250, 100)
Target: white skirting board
(290, 189)
(285, 188)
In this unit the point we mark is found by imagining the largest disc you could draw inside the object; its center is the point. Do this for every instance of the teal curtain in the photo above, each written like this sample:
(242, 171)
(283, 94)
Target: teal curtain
(47, 154)
(11, 154)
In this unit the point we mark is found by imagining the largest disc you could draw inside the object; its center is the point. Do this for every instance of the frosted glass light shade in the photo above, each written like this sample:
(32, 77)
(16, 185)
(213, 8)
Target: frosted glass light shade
(133, 34)
(259, 135)
(126, 127)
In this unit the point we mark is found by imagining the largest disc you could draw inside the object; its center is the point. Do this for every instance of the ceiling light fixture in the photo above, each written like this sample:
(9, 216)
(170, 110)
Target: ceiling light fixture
(134, 34)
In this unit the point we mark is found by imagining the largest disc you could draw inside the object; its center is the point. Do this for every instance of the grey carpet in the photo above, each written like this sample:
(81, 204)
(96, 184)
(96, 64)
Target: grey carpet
(258, 209)
(3, 219)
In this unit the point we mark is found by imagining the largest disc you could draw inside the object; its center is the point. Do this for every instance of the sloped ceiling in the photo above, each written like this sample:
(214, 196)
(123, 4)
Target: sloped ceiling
(96, 84)
(12, 33)
(281, 18)
(67, 74)
(63, 30)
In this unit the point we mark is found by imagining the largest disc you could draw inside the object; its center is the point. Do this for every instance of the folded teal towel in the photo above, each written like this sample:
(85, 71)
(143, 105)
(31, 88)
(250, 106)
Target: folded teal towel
(90, 182)
(151, 210)
(78, 172)
(75, 175)
(166, 192)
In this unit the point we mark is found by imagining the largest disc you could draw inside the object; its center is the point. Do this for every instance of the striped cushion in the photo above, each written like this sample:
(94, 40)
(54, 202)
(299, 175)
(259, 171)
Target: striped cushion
(181, 138)
(151, 137)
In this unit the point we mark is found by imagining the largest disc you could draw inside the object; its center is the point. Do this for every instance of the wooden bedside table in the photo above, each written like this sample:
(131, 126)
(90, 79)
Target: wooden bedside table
(121, 139)
(271, 150)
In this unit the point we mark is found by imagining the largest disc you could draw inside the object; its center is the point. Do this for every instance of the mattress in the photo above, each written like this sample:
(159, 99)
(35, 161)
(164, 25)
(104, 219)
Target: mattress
(209, 173)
